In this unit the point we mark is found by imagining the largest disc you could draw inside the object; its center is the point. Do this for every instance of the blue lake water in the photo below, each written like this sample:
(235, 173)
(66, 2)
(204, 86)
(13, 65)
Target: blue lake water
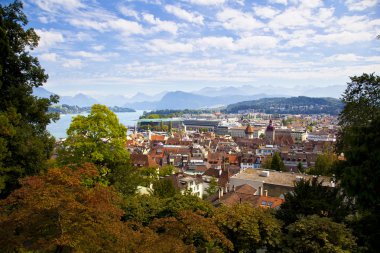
(58, 129)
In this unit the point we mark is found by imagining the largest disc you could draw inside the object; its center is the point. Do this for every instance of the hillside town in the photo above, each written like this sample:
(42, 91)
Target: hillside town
(235, 150)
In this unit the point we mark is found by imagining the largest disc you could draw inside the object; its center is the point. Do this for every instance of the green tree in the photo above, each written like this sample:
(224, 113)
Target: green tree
(213, 187)
(324, 165)
(99, 138)
(359, 141)
(361, 105)
(249, 228)
(25, 145)
(311, 197)
(164, 188)
(166, 170)
(277, 163)
(318, 234)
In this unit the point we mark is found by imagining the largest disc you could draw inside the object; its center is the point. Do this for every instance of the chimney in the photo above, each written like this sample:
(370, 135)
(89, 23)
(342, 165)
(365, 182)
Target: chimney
(233, 188)
(266, 193)
(260, 191)
(219, 193)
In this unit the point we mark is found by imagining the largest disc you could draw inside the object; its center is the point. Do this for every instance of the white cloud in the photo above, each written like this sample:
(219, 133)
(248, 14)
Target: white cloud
(93, 56)
(159, 46)
(49, 38)
(207, 2)
(358, 23)
(206, 43)
(129, 12)
(56, 5)
(126, 27)
(48, 57)
(256, 42)
(311, 4)
(160, 25)
(265, 12)
(89, 24)
(184, 14)
(73, 63)
(298, 38)
(360, 5)
(343, 38)
(236, 20)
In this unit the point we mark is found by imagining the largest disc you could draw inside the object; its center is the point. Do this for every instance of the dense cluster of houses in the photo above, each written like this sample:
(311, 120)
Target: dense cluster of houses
(232, 153)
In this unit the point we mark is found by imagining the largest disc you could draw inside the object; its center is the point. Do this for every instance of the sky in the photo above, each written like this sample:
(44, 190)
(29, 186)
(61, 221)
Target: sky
(122, 47)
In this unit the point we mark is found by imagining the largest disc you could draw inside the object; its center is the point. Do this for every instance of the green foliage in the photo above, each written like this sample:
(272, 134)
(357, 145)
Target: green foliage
(164, 188)
(359, 140)
(311, 197)
(25, 144)
(193, 229)
(166, 170)
(186, 202)
(249, 228)
(99, 138)
(277, 163)
(213, 187)
(316, 234)
(143, 209)
(324, 165)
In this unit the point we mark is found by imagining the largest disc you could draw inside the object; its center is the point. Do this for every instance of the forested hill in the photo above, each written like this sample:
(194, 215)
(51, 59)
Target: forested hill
(292, 105)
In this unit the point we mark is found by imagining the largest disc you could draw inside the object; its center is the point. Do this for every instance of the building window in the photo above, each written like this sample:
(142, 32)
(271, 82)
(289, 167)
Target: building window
(263, 203)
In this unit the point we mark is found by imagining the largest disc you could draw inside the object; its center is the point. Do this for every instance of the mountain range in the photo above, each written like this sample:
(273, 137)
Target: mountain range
(208, 97)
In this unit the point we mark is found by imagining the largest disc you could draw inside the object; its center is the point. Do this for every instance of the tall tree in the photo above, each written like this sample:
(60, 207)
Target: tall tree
(316, 234)
(62, 211)
(277, 163)
(99, 138)
(249, 228)
(310, 197)
(324, 165)
(359, 140)
(164, 188)
(25, 144)
(361, 105)
(193, 229)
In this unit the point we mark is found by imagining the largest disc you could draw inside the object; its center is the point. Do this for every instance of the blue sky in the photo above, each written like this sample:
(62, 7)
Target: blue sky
(122, 47)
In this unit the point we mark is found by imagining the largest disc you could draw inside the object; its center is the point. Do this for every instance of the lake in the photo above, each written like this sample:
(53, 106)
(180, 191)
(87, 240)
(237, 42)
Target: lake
(58, 128)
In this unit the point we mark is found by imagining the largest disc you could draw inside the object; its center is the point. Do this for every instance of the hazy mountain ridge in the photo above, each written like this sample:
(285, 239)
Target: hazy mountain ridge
(292, 105)
(207, 97)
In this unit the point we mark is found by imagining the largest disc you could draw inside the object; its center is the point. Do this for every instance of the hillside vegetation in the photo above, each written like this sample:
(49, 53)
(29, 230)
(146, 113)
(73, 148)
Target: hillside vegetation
(293, 105)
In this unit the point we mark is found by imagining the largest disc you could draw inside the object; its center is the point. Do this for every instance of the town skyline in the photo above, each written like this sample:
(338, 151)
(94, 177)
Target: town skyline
(99, 48)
